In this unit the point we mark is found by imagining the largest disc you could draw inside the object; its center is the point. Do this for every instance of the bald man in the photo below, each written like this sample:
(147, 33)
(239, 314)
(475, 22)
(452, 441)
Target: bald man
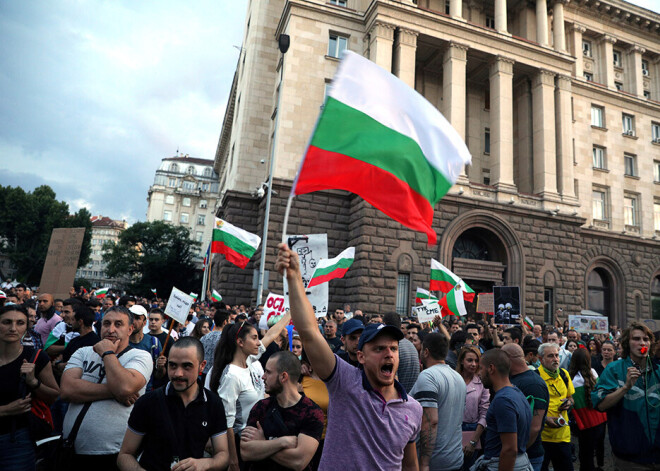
(531, 384)
(48, 319)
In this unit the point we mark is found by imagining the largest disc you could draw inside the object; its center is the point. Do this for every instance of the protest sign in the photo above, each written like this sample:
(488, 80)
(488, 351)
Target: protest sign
(506, 301)
(485, 303)
(178, 306)
(427, 311)
(309, 252)
(588, 324)
(61, 261)
(276, 305)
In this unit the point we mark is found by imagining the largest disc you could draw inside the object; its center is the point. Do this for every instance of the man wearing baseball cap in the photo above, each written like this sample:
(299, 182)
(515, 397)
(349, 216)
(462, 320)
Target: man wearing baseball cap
(381, 420)
(350, 336)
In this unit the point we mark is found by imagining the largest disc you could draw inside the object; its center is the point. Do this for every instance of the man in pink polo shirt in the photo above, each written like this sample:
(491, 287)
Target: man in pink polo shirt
(47, 317)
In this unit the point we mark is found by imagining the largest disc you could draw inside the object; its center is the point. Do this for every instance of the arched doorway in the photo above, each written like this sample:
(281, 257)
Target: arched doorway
(604, 288)
(655, 297)
(599, 292)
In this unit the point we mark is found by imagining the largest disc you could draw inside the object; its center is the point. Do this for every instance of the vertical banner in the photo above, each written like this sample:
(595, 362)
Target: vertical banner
(178, 305)
(310, 252)
(61, 261)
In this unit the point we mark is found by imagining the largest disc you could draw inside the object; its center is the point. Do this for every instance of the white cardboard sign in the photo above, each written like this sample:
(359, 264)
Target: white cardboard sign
(178, 306)
(309, 253)
(427, 311)
(276, 305)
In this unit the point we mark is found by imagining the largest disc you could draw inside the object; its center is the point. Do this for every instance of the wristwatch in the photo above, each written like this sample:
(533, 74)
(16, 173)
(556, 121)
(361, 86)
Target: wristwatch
(473, 443)
(107, 352)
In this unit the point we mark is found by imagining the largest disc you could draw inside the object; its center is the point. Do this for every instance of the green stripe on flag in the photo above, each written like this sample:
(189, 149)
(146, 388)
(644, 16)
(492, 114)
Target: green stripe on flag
(343, 263)
(233, 243)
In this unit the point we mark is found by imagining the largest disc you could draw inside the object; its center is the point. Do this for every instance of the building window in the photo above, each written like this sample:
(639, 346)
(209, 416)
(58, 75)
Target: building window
(647, 94)
(599, 292)
(207, 172)
(656, 171)
(645, 68)
(656, 216)
(337, 45)
(172, 182)
(630, 217)
(630, 165)
(586, 48)
(199, 236)
(628, 122)
(189, 186)
(655, 298)
(490, 22)
(548, 305)
(403, 294)
(655, 132)
(618, 86)
(203, 204)
(487, 97)
(617, 58)
(341, 3)
(200, 219)
(186, 202)
(588, 77)
(183, 219)
(174, 168)
(169, 199)
(167, 215)
(487, 141)
(447, 7)
(599, 157)
(190, 170)
(597, 116)
(599, 205)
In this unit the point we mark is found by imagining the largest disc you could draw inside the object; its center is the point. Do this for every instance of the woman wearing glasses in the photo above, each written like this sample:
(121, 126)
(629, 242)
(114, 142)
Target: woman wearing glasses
(237, 376)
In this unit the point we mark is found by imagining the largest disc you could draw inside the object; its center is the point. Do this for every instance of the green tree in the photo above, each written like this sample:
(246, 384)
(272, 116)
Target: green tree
(27, 220)
(153, 255)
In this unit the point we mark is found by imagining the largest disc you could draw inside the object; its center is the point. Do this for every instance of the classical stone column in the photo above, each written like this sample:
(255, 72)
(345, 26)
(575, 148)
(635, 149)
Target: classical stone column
(523, 143)
(607, 60)
(456, 9)
(655, 79)
(559, 34)
(500, 16)
(577, 30)
(453, 85)
(542, 22)
(501, 124)
(404, 59)
(635, 70)
(563, 95)
(381, 38)
(543, 118)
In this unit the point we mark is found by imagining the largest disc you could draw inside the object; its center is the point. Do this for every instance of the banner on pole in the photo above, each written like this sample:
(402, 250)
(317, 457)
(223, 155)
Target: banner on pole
(61, 262)
(507, 305)
(485, 303)
(309, 253)
(427, 311)
(178, 306)
(588, 324)
(275, 307)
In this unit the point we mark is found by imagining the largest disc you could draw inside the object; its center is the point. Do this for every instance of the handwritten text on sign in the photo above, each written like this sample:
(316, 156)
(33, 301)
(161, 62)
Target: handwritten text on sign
(275, 306)
(178, 305)
(427, 312)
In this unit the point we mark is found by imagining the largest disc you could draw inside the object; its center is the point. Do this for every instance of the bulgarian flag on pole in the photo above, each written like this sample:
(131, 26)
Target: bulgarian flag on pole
(453, 303)
(215, 296)
(423, 295)
(380, 139)
(528, 323)
(237, 245)
(332, 268)
(100, 293)
(194, 296)
(153, 290)
(443, 279)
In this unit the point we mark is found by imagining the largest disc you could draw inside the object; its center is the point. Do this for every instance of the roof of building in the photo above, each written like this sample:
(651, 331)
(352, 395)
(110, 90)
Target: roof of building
(104, 221)
(190, 160)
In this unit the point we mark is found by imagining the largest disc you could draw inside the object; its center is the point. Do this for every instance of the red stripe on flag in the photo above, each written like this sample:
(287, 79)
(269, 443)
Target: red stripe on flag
(230, 254)
(338, 273)
(439, 285)
(325, 170)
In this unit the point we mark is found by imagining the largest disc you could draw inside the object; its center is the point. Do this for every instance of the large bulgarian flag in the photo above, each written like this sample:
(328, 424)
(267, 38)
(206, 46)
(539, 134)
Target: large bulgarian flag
(380, 139)
(453, 303)
(585, 416)
(100, 293)
(423, 295)
(237, 245)
(331, 268)
(443, 279)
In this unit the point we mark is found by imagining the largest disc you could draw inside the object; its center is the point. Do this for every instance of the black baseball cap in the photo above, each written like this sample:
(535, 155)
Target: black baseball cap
(371, 331)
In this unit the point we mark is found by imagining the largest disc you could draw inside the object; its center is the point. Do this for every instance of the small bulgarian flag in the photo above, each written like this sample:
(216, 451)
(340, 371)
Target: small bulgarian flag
(153, 290)
(423, 295)
(237, 245)
(100, 293)
(453, 303)
(443, 279)
(528, 323)
(332, 268)
(215, 296)
(194, 296)
(380, 139)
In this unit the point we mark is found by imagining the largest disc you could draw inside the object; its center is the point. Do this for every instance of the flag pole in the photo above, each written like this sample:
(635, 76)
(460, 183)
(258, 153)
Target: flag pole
(206, 273)
(208, 283)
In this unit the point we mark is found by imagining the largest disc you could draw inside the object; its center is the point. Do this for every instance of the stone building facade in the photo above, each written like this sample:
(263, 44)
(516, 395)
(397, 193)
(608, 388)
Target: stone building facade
(558, 102)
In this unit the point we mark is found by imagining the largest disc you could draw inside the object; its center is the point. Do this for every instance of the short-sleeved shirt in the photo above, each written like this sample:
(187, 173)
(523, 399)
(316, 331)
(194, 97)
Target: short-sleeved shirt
(210, 341)
(104, 425)
(509, 412)
(44, 326)
(440, 387)
(148, 344)
(531, 384)
(408, 364)
(335, 343)
(194, 424)
(558, 390)
(87, 340)
(304, 417)
(364, 428)
(10, 375)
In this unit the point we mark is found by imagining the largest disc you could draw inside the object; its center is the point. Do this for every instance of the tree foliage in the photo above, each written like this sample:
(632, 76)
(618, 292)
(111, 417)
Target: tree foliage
(153, 255)
(27, 220)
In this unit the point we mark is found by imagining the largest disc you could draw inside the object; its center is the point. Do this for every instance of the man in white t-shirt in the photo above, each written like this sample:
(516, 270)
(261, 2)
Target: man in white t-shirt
(111, 376)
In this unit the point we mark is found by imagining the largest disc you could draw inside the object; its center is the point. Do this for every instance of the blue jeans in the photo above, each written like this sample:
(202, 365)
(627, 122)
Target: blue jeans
(536, 462)
(17, 454)
(559, 454)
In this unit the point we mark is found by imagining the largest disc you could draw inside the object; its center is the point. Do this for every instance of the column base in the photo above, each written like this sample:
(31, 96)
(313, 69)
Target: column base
(569, 199)
(550, 196)
(509, 188)
(462, 180)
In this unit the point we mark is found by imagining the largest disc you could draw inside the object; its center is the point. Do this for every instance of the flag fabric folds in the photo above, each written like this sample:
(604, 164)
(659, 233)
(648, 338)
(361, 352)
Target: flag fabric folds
(453, 303)
(194, 295)
(423, 295)
(443, 279)
(100, 293)
(236, 244)
(380, 139)
(332, 268)
(215, 296)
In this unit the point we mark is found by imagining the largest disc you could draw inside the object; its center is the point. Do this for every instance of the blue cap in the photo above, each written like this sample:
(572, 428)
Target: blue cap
(350, 326)
(371, 331)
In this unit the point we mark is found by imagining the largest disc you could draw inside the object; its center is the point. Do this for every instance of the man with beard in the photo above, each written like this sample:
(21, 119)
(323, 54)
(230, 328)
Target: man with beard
(284, 430)
(197, 412)
(508, 418)
(389, 420)
(350, 336)
(48, 317)
(63, 332)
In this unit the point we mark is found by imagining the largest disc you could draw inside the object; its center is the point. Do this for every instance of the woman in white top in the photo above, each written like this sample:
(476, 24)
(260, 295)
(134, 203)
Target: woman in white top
(237, 376)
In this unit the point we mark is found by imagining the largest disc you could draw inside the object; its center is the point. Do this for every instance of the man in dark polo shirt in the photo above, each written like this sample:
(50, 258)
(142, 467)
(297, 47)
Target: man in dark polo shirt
(350, 336)
(172, 424)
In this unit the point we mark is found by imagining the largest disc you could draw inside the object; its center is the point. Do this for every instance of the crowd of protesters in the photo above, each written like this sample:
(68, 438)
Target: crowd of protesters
(126, 388)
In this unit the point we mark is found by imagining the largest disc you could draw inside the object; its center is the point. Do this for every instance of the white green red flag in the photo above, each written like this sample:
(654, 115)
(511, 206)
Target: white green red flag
(443, 279)
(215, 296)
(100, 293)
(380, 139)
(453, 303)
(528, 323)
(331, 268)
(153, 290)
(194, 295)
(423, 295)
(237, 245)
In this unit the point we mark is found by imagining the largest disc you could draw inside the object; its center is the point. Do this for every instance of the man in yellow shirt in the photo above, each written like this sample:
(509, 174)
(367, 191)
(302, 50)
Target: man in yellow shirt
(556, 434)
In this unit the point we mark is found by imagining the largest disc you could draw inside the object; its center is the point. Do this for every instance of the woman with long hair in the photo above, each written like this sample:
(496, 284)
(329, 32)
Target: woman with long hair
(590, 422)
(593, 345)
(24, 377)
(607, 356)
(237, 376)
(477, 400)
(202, 327)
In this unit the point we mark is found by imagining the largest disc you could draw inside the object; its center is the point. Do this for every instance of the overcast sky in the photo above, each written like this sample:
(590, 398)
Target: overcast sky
(93, 94)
